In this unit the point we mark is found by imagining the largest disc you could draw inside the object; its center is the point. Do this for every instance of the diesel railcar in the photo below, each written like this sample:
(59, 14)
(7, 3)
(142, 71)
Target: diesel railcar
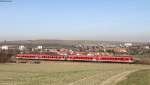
(113, 59)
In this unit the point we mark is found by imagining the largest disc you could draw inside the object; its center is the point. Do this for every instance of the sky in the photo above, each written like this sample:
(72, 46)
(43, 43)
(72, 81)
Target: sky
(111, 20)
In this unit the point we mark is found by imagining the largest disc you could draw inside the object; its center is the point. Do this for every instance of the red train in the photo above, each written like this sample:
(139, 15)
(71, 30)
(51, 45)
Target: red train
(119, 59)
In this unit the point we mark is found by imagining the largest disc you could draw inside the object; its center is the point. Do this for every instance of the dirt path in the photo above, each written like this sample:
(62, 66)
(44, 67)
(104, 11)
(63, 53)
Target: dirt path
(115, 79)
(112, 80)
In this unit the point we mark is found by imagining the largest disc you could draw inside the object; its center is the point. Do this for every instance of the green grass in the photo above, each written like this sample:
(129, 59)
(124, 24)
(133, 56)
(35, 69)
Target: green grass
(61, 73)
(137, 78)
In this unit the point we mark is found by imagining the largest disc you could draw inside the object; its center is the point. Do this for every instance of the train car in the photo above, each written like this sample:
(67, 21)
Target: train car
(119, 59)
(81, 58)
(39, 56)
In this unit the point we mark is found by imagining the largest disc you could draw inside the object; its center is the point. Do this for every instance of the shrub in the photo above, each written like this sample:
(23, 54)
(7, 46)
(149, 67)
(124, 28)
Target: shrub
(144, 61)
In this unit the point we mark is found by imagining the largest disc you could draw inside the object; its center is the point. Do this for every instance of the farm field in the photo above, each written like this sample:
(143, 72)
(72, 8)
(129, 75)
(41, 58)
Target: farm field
(141, 77)
(63, 73)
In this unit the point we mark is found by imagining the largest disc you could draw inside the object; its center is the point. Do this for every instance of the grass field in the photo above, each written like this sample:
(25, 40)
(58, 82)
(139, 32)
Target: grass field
(62, 73)
(141, 77)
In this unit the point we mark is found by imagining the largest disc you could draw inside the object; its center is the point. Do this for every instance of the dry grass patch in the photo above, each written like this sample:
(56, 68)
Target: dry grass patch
(61, 73)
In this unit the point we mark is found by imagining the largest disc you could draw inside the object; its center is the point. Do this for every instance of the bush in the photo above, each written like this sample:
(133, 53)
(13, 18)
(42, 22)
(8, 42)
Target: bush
(5, 57)
(145, 61)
